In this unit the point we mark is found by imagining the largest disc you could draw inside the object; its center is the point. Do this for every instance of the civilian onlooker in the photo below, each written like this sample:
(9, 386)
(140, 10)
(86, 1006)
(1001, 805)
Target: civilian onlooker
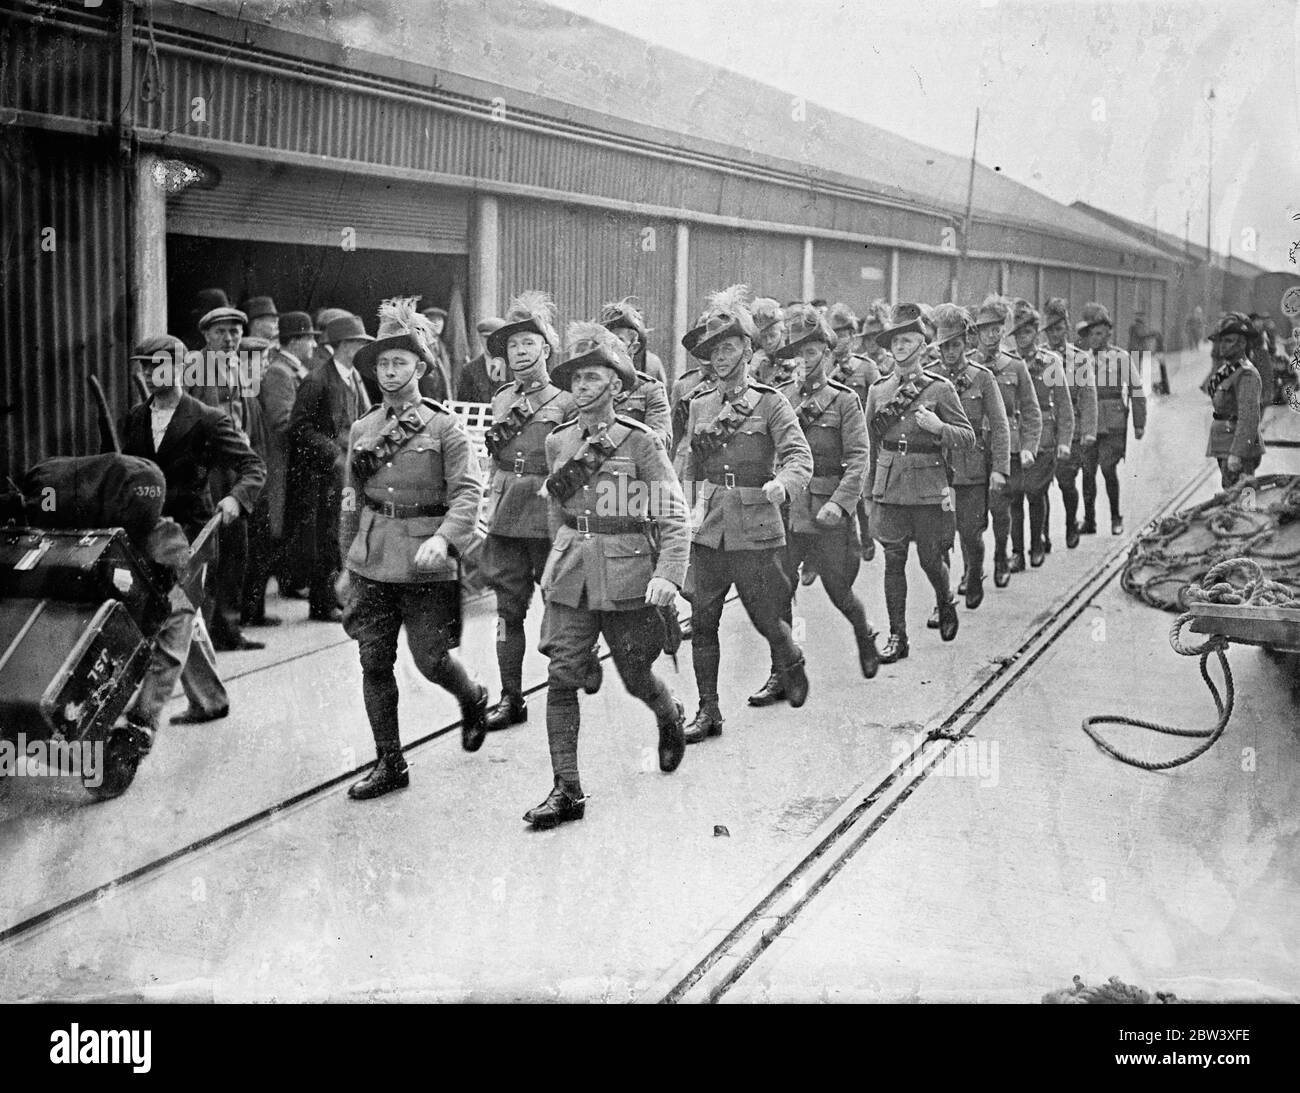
(436, 383)
(1194, 328)
(261, 547)
(321, 320)
(205, 301)
(223, 330)
(189, 441)
(329, 400)
(263, 319)
(476, 382)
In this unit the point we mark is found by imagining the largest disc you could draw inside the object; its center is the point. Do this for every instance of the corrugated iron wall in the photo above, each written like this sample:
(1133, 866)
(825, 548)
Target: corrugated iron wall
(585, 257)
(63, 279)
(850, 272)
(924, 278)
(1056, 282)
(771, 265)
(979, 279)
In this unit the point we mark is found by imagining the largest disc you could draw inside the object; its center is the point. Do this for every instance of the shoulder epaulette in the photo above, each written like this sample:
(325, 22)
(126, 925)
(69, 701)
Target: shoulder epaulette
(978, 367)
(377, 406)
(882, 378)
(763, 387)
(645, 377)
(434, 405)
(689, 372)
(633, 424)
(565, 425)
(841, 387)
(696, 392)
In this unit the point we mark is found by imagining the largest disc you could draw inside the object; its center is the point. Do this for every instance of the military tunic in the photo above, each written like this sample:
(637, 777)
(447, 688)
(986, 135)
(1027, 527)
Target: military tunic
(1047, 371)
(411, 474)
(772, 371)
(913, 500)
(648, 404)
(1236, 395)
(737, 533)
(1025, 422)
(857, 373)
(1115, 394)
(1083, 397)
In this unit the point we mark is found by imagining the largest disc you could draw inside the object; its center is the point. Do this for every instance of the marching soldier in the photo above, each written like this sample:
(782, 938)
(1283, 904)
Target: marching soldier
(1082, 386)
(872, 324)
(912, 418)
(738, 431)
(767, 366)
(683, 388)
(853, 371)
(410, 502)
(524, 411)
(1047, 371)
(973, 331)
(1116, 391)
(646, 400)
(1024, 420)
(1236, 390)
(979, 469)
(620, 555)
(821, 527)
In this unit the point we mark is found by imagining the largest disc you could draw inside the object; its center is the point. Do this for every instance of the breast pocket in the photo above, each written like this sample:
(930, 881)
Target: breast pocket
(926, 479)
(760, 519)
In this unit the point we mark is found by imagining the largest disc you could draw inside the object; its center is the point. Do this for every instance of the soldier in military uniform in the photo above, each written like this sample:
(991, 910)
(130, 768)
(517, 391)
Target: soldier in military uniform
(767, 366)
(646, 400)
(979, 469)
(1082, 386)
(1047, 371)
(1236, 391)
(411, 494)
(1025, 421)
(913, 417)
(524, 411)
(620, 555)
(852, 370)
(690, 381)
(1116, 392)
(872, 324)
(747, 455)
(821, 523)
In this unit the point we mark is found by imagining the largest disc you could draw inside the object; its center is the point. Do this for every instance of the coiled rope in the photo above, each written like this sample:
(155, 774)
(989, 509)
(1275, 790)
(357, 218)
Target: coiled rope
(1257, 589)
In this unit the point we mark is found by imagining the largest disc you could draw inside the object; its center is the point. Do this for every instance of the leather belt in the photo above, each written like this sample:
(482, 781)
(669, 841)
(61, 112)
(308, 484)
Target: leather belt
(405, 512)
(915, 447)
(606, 525)
(521, 465)
(742, 478)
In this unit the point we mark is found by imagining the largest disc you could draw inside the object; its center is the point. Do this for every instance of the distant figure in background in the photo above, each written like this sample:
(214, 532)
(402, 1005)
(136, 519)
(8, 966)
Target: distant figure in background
(329, 400)
(285, 370)
(1137, 330)
(1194, 328)
(476, 384)
(263, 319)
(1235, 391)
(321, 321)
(436, 382)
(205, 301)
(261, 550)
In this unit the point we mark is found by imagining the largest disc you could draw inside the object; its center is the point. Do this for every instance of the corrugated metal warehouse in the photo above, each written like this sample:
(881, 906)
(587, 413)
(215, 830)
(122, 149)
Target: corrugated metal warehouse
(334, 160)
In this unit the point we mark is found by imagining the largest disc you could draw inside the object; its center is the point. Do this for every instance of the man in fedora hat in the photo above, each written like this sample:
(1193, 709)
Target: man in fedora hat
(189, 441)
(1236, 391)
(524, 411)
(1118, 389)
(979, 469)
(1047, 371)
(621, 547)
(476, 383)
(821, 519)
(329, 400)
(285, 370)
(746, 456)
(321, 321)
(1082, 386)
(646, 401)
(769, 320)
(913, 418)
(410, 503)
(1024, 419)
(263, 319)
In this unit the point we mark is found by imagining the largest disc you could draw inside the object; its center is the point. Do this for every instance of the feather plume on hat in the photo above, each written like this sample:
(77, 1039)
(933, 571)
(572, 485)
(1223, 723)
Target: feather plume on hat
(996, 305)
(949, 315)
(584, 337)
(727, 301)
(532, 304)
(398, 316)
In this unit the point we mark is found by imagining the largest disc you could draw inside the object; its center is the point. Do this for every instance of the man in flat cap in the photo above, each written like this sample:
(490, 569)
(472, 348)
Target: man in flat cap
(329, 400)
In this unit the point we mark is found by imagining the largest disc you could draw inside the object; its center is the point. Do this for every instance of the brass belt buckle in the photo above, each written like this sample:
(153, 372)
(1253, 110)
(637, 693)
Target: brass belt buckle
(389, 509)
(729, 480)
(902, 444)
(519, 465)
(584, 525)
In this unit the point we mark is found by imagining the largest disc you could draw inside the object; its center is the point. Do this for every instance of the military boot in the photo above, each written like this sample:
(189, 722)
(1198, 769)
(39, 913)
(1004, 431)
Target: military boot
(592, 673)
(771, 692)
(1017, 563)
(896, 648)
(672, 739)
(708, 722)
(948, 621)
(932, 623)
(975, 591)
(473, 721)
(868, 655)
(564, 803)
(1071, 535)
(796, 683)
(1001, 572)
(388, 773)
(511, 710)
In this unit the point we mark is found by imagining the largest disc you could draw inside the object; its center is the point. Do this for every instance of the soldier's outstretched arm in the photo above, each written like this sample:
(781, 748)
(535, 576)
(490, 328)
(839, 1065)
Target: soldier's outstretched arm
(956, 431)
(793, 456)
(999, 427)
(464, 478)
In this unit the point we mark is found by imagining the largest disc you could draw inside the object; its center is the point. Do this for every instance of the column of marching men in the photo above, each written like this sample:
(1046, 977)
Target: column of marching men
(804, 441)
(782, 458)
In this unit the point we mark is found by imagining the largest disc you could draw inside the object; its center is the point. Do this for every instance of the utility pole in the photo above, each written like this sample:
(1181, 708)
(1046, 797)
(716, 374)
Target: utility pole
(966, 223)
(1209, 200)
